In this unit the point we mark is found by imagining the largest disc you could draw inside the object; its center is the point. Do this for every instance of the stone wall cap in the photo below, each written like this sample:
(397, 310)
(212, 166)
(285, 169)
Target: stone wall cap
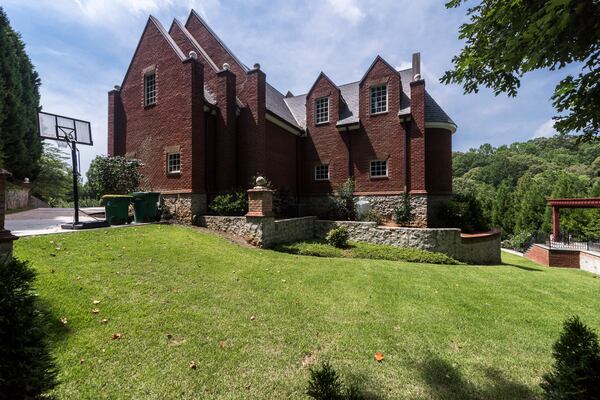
(4, 172)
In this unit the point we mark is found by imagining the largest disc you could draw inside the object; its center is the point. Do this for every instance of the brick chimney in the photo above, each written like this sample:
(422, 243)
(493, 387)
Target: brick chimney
(417, 133)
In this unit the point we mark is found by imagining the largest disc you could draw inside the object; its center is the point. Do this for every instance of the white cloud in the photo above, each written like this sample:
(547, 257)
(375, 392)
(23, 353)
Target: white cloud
(347, 9)
(545, 130)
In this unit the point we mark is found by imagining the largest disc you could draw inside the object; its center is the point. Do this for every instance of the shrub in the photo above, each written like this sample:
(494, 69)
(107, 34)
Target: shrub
(403, 212)
(26, 368)
(343, 203)
(464, 212)
(576, 371)
(284, 203)
(338, 237)
(230, 204)
(519, 241)
(372, 216)
(113, 175)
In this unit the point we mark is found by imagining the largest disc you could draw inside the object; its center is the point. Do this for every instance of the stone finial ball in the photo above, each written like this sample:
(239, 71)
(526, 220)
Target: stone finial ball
(226, 66)
(26, 180)
(261, 181)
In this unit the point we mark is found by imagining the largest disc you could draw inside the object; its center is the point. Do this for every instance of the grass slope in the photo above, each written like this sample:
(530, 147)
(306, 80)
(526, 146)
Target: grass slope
(175, 294)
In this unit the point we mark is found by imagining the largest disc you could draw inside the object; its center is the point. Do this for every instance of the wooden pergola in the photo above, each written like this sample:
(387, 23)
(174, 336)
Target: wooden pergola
(557, 204)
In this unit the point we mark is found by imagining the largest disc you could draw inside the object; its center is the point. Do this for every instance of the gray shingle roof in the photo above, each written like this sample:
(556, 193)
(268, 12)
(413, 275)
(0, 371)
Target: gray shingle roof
(350, 96)
(276, 105)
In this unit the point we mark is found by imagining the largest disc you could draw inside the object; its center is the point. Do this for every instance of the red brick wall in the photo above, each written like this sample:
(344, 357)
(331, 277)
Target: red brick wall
(417, 138)
(281, 159)
(382, 136)
(553, 257)
(167, 123)
(226, 134)
(323, 144)
(538, 254)
(116, 124)
(438, 161)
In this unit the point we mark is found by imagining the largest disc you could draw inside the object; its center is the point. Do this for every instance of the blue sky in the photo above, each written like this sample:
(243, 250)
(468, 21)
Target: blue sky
(81, 49)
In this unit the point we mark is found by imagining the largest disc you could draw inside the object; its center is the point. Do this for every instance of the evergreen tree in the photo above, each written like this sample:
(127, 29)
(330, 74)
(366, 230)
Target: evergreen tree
(503, 208)
(531, 205)
(20, 145)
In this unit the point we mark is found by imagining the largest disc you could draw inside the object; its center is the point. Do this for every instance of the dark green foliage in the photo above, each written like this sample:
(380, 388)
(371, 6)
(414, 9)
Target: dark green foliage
(576, 371)
(507, 39)
(113, 175)
(343, 202)
(338, 237)
(230, 204)
(20, 145)
(519, 241)
(54, 182)
(26, 368)
(403, 211)
(463, 212)
(284, 203)
(555, 167)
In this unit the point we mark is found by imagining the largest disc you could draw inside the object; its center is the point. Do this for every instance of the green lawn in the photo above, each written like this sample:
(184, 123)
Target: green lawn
(177, 295)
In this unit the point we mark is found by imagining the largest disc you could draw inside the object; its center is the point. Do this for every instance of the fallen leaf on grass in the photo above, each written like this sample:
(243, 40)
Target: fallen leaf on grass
(81, 361)
(64, 320)
(193, 365)
(95, 311)
(96, 302)
(222, 344)
(379, 356)
(252, 318)
(116, 336)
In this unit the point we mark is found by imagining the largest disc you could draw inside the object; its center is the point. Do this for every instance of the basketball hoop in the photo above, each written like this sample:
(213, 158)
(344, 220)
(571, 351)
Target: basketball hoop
(68, 132)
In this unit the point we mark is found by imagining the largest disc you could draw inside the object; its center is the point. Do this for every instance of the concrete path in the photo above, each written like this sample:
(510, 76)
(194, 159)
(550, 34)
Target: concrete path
(42, 221)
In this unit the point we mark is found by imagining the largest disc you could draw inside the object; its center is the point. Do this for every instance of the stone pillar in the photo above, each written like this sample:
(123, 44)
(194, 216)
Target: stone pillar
(555, 223)
(6, 238)
(260, 200)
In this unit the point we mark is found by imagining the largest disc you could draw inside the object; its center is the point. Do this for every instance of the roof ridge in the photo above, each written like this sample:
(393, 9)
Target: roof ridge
(168, 37)
(217, 38)
(195, 43)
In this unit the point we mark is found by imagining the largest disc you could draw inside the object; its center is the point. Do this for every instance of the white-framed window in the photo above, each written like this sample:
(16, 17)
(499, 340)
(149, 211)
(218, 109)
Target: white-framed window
(379, 168)
(173, 163)
(379, 99)
(322, 172)
(150, 88)
(322, 110)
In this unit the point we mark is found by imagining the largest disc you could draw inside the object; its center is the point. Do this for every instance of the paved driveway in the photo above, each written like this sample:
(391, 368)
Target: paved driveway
(41, 221)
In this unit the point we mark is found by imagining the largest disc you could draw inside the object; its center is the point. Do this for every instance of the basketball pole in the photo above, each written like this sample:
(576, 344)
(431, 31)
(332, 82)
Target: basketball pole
(75, 183)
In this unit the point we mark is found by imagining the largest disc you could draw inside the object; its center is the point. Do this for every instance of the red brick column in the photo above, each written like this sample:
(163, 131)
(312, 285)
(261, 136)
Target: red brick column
(6, 238)
(260, 200)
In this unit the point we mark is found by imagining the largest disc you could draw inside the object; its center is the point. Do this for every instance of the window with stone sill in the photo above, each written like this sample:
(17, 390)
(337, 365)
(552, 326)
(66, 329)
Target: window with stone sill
(379, 99)
(322, 110)
(379, 169)
(173, 163)
(150, 88)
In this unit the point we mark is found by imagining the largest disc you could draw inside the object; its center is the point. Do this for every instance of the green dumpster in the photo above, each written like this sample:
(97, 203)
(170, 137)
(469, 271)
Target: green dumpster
(145, 206)
(117, 208)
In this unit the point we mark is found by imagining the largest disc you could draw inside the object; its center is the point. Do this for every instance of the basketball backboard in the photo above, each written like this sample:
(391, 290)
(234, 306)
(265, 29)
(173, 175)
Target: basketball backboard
(64, 129)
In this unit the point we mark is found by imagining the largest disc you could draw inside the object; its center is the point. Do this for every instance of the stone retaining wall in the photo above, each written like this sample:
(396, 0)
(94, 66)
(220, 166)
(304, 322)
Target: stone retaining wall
(183, 206)
(590, 262)
(261, 232)
(268, 232)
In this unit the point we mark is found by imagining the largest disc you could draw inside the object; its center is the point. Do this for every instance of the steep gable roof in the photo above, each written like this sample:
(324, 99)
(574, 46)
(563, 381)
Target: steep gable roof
(194, 14)
(322, 75)
(156, 23)
(194, 43)
(349, 110)
(378, 58)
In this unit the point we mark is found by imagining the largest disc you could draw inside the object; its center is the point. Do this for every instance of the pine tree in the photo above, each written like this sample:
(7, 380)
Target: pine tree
(20, 145)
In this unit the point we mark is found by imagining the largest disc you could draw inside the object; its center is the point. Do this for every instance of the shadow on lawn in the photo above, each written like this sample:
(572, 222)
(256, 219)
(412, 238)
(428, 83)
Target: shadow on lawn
(55, 329)
(523, 267)
(445, 381)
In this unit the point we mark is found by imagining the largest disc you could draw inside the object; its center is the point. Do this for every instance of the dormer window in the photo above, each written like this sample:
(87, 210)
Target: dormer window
(379, 99)
(150, 88)
(322, 110)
